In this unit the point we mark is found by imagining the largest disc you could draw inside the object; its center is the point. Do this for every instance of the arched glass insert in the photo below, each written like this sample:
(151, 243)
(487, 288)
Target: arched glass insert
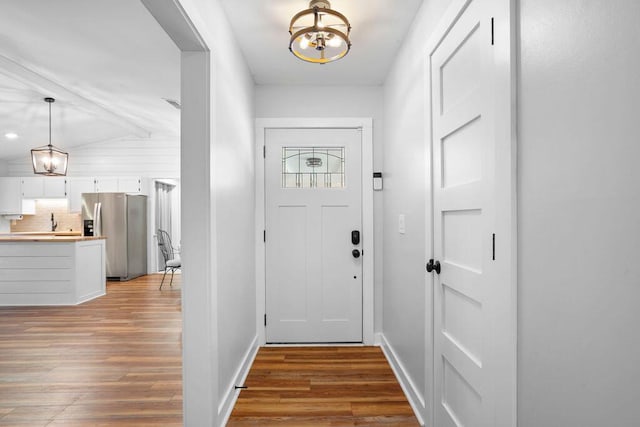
(313, 167)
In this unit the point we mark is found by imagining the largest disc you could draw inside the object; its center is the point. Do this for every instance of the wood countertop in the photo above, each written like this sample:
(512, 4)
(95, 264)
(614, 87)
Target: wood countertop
(44, 233)
(45, 238)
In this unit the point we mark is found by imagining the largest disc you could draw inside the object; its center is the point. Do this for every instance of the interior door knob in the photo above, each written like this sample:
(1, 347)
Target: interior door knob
(355, 253)
(433, 266)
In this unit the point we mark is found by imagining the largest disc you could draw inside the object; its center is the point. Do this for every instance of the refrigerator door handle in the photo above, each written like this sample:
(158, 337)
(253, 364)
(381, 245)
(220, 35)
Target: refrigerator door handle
(97, 218)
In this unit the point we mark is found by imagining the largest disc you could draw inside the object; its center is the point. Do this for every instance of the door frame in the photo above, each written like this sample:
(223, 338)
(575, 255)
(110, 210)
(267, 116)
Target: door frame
(366, 125)
(505, 79)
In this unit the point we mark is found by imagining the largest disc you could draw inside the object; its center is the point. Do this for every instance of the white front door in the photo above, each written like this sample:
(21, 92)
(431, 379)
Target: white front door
(472, 304)
(313, 197)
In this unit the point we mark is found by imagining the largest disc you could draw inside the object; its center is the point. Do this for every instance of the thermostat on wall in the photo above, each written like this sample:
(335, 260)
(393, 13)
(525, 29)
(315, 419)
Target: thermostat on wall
(377, 181)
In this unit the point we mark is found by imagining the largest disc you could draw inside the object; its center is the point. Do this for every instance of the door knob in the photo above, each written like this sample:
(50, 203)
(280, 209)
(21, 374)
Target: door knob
(431, 266)
(355, 253)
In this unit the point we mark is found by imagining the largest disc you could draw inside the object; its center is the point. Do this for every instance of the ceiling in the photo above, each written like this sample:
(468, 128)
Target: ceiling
(262, 30)
(107, 63)
(111, 67)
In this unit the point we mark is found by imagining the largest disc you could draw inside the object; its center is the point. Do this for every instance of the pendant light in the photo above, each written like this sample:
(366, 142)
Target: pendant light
(49, 160)
(319, 34)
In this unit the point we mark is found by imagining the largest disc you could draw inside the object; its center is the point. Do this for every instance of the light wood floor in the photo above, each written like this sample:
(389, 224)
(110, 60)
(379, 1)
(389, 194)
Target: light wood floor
(115, 360)
(321, 386)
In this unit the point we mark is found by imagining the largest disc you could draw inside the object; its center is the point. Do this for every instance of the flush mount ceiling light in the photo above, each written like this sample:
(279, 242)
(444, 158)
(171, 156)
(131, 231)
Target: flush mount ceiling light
(319, 34)
(49, 160)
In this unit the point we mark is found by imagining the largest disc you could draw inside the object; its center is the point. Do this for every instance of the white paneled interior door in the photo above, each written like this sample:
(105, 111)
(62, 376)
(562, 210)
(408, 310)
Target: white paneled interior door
(470, 348)
(313, 203)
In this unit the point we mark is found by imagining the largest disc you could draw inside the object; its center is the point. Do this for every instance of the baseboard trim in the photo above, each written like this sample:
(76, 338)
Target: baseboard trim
(231, 395)
(377, 339)
(408, 387)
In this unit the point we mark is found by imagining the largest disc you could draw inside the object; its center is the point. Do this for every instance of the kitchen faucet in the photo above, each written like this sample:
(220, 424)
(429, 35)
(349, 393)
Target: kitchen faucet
(54, 224)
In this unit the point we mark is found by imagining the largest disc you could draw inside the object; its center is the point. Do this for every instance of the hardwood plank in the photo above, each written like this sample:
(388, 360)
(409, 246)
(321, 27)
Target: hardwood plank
(115, 360)
(321, 386)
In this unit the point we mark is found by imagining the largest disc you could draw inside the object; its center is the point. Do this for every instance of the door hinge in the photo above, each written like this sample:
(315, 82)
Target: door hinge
(493, 247)
(264, 151)
(492, 39)
(265, 320)
(264, 235)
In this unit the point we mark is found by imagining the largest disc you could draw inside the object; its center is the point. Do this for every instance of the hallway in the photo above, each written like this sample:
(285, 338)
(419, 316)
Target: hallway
(321, 386)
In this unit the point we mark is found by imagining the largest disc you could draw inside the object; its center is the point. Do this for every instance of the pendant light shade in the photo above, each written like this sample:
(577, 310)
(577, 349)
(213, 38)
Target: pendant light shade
(319, 34)
(49, 160)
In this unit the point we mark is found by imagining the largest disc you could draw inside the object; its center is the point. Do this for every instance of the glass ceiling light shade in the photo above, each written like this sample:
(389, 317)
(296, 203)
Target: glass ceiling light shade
(49, 160)
(319, 34)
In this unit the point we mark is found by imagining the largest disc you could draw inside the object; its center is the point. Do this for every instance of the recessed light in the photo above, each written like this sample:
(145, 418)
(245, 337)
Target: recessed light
(11, 135)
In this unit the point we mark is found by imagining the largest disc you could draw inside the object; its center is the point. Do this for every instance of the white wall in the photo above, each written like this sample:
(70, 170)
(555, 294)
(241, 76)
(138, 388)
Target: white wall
(232, 194)
(336, 101)
(407, 299)
(5, 225)
(579, 226)
(154, 157)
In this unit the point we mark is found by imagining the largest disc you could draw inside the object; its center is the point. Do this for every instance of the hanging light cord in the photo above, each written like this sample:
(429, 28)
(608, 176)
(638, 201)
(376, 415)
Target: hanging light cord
(49, 125)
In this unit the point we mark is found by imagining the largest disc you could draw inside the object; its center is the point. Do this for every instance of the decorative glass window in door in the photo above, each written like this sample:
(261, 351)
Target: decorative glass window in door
(313, 167)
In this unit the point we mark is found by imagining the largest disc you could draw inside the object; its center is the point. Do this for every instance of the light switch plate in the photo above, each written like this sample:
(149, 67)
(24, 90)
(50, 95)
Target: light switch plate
(401, 224)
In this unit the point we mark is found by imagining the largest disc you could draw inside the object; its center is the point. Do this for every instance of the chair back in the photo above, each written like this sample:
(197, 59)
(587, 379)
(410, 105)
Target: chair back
(165, 246)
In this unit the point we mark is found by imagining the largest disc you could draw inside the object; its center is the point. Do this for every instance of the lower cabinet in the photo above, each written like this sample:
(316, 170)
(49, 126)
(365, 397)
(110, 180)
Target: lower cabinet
(52, 270)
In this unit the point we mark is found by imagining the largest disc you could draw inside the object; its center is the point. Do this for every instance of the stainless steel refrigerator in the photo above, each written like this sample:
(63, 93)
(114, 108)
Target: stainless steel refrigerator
(122, 219)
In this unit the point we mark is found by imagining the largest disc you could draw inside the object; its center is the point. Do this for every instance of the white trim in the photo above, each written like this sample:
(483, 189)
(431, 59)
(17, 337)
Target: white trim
(378, 339)
(416, 400)
(364, 123)
(231, 395)
(89, 297)
(198, 233)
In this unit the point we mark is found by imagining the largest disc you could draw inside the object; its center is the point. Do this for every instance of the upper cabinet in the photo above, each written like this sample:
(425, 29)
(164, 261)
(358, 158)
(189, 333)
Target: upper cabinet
(122, 184)
(103, 184)
(130, 184)
(55, 187)
(41, 187)
(33, 188)
(77, 186)
(17, 194)
(107, 184)
(10, 196)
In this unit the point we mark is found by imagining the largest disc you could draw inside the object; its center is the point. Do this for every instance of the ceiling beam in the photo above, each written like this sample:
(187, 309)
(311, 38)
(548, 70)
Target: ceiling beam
(48, 87)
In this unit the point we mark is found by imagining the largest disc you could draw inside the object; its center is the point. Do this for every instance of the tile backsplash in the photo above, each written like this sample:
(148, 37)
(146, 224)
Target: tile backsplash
(41, 221)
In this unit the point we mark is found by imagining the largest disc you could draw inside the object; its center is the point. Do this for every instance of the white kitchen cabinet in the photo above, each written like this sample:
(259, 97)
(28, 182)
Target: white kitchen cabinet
(55, 187)
(28, 207)
(47, 270)
(77, 186)
(10, 196)
(121, 184)
(40, 187)
(131, 185)
(107, 184)
(33, 187)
